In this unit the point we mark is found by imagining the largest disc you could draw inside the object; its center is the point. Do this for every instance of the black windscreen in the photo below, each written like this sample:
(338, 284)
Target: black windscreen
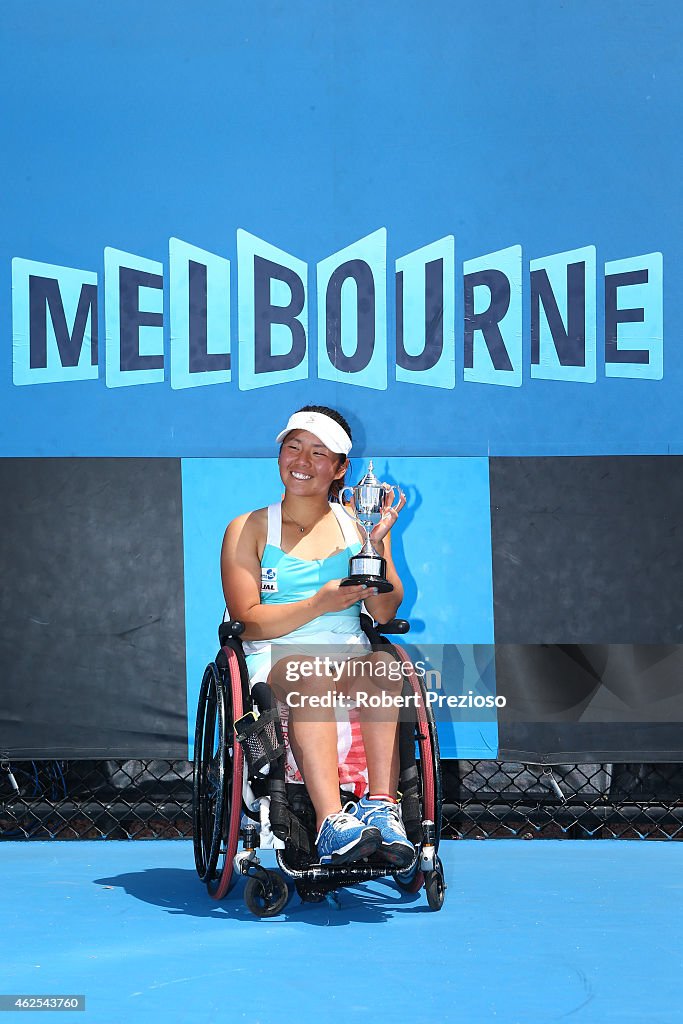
(587, 563)
(92, 643)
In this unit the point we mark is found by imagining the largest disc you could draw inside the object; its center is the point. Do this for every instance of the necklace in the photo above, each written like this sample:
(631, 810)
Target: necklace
(302, 529)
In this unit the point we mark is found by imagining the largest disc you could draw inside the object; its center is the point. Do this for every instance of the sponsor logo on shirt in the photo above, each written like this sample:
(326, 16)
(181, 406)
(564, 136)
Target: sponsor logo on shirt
(269, 581)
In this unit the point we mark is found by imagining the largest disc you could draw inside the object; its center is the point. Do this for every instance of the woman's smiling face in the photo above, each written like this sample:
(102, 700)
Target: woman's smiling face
(307, 466)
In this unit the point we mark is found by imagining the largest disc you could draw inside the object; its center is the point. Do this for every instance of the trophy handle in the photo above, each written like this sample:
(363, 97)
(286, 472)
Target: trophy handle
(354, 517)
(398, 494)
(341, 502)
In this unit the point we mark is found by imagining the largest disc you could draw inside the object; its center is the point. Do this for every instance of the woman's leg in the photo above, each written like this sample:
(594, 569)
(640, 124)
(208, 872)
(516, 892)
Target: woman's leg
(379, 674)
(381, 678)
(312, 730)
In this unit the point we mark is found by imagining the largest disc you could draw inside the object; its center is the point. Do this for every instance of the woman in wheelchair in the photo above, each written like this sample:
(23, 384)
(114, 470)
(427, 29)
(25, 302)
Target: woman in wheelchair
(281, 569)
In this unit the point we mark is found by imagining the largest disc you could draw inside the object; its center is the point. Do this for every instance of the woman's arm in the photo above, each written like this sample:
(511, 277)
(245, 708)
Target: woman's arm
(383, 607)
(241, 575)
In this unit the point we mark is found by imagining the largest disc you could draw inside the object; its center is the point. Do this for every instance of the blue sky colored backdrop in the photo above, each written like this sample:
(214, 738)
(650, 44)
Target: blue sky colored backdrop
(547, 125)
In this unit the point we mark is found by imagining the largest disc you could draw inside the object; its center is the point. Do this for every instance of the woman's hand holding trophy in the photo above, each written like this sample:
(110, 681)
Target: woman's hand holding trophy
(372, 507)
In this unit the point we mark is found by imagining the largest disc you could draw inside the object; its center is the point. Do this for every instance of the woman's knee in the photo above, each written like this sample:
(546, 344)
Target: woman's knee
(379, 672)
(296, 675)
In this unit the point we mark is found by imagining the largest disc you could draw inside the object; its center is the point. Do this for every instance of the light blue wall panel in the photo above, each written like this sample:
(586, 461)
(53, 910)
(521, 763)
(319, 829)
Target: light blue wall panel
(441, 546)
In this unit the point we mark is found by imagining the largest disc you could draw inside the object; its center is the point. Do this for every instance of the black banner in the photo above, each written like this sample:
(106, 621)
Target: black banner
(610, 702)
(92, 642)
(587, 568)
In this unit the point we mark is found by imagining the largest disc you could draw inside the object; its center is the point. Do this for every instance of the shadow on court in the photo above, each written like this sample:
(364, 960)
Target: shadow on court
(178, 891)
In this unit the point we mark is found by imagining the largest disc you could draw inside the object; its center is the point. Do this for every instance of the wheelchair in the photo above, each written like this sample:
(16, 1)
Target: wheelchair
(238, 737)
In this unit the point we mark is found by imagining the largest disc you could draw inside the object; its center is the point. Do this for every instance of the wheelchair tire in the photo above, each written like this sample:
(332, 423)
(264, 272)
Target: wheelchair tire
(429, 768)
(208, 777)
(224, 876)
(435, 886)
(433, 766)
(257, 900)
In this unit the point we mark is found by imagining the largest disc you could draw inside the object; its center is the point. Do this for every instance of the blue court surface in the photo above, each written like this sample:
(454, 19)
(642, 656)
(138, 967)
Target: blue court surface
(530, 931)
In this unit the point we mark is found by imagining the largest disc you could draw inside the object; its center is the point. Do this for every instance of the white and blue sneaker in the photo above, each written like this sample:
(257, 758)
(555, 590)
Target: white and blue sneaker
(343, 838)
(396, 847)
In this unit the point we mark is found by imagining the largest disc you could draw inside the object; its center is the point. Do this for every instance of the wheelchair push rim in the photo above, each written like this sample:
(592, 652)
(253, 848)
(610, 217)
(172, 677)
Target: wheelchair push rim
(215, 858)
(208, 773)
(430, 779)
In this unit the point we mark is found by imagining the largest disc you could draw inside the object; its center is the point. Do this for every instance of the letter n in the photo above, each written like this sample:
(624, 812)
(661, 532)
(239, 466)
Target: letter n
(563, 316)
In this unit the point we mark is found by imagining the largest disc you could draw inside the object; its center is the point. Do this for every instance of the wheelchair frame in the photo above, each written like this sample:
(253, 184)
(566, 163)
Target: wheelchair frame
(219, 783)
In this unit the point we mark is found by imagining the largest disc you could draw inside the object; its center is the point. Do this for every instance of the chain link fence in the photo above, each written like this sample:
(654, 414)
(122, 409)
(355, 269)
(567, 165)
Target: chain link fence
(482, 799)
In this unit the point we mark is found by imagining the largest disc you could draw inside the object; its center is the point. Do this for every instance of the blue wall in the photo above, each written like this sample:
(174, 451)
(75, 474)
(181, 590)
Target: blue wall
(309, 135)
(445, 567)
(544, 126)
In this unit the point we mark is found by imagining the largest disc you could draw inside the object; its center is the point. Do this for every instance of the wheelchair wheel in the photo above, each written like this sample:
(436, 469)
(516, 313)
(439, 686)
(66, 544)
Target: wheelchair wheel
(225, 877)
(208, 773)
(435, 886)
(429, 770)
(218, 771)
(262, 903)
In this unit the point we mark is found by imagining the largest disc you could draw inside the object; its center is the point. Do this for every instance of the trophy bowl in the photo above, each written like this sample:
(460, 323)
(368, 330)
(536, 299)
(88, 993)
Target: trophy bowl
(369, 498)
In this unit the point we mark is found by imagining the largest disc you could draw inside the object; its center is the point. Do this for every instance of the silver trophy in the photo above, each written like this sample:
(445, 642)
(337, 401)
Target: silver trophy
(369, 504)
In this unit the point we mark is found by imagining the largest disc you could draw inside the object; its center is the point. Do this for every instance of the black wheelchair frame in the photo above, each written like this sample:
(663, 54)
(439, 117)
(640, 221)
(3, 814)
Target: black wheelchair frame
(219, 780)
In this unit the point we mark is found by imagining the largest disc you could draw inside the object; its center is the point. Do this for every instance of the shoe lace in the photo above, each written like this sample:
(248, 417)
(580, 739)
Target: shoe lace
(346, 817)
(341, 819)
(382, 807)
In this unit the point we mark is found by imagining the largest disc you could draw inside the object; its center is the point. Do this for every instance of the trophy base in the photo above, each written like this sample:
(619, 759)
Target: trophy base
(370, 580)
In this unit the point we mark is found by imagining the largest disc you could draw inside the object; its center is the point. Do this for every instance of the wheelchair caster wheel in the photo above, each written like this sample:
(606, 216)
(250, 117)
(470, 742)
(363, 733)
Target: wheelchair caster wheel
(257, 899)
(435, 886)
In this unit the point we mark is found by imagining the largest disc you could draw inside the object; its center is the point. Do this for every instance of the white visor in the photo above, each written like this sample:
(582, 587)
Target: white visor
(332, 435)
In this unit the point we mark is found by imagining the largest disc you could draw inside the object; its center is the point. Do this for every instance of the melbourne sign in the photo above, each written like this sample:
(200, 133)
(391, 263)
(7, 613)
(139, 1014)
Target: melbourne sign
(179, 325)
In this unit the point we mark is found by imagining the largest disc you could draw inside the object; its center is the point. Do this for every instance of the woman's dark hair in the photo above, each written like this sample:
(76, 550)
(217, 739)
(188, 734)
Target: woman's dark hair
(324, 410)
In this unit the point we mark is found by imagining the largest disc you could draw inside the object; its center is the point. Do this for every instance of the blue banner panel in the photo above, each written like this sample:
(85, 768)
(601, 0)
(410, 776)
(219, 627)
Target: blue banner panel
(214, 492)
(261, 129)
(453, 607)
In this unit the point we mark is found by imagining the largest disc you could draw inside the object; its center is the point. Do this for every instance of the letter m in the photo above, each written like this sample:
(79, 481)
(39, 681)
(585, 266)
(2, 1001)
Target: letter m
(54, 314)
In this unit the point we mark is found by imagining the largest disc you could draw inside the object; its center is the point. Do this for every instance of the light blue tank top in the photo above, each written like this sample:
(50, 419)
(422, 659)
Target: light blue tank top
(286, 578)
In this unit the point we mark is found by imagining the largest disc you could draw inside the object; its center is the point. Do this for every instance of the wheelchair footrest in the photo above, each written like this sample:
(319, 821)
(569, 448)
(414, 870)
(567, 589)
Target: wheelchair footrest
(333, 876)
